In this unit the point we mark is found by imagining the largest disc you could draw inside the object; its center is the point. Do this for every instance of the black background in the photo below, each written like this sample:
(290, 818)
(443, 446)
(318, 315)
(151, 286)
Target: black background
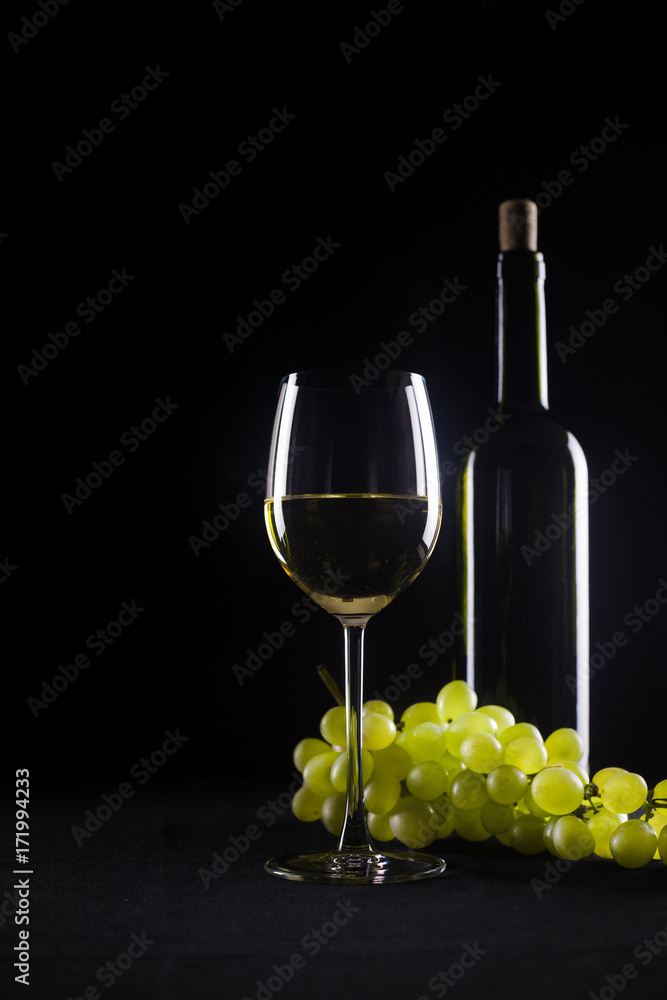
(323, 176)
(162, 338)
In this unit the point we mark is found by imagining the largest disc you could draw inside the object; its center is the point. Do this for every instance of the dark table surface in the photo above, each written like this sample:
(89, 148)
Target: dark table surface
(145, 885)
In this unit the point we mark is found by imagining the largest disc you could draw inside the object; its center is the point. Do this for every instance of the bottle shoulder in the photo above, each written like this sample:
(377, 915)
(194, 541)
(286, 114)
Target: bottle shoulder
(518, 434)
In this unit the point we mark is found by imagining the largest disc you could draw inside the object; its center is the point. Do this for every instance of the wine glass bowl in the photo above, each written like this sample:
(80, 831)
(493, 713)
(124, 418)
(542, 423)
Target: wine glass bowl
(353, 511)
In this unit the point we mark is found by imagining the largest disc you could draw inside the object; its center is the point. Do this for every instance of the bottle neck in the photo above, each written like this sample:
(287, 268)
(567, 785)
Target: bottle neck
(521, 332)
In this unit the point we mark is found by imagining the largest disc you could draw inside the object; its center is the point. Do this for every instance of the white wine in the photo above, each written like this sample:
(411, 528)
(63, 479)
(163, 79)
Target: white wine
(353, 553)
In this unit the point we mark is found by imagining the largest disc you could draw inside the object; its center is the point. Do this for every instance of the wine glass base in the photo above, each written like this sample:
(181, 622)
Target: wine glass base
(356, 868)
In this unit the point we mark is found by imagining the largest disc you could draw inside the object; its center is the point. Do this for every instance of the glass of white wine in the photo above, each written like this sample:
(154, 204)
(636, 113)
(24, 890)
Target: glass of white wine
(353, 510)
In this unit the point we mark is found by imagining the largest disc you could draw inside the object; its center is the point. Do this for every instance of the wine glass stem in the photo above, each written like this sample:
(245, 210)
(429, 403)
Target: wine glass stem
(354, 834)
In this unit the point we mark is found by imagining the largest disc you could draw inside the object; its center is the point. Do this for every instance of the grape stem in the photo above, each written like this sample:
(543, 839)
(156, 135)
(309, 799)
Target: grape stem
(330, 684)
(652, 805)
(591, 791)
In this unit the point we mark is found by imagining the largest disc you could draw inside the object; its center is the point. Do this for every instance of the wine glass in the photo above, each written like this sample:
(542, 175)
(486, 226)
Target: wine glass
(353, 511)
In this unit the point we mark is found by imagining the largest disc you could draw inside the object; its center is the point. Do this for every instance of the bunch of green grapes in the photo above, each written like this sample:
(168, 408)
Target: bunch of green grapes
(451, 767)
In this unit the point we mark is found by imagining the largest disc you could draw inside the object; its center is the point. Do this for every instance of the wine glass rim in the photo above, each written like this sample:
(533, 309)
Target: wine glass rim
(357, 379)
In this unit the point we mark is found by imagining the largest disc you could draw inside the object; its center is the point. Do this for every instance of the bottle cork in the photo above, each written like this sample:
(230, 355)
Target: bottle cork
(517, 224)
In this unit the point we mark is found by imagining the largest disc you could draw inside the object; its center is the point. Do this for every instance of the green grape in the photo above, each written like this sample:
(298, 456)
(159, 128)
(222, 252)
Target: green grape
(481, 752)
(506, 784)
(455, 699)
(413, 822)
(602, 824)
(427, 741)
(427, 780)
(452, 772)
(623, 792)
(502, 716)
(421, 711)
(525, 753)
(333, 726)
(381, 707)
(527, 834)
(468, 824)
(465, 725)
(378, 731)
(305, 749)
(600, 777)
(382, 793)
(451, 764)
(633, 843)
(576, 768)
(339, 769)
(445, 815)
(306, 805)
(662, 844)
(468, 769)
(564, 744)
(379, 827)
(394, 759)
(557, 790)
(495, 817)
(333, 813)
(468, 791)
(528, 804)
(548, 835)
(520, 729)
(572, 838)
(660, 792)
(317, 773)
(658, 821)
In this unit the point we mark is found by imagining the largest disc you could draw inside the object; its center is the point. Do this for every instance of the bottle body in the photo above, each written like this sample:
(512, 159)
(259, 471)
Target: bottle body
(522, 501)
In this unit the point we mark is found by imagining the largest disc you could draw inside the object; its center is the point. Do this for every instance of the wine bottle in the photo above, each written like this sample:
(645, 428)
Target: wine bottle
(522, 515)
